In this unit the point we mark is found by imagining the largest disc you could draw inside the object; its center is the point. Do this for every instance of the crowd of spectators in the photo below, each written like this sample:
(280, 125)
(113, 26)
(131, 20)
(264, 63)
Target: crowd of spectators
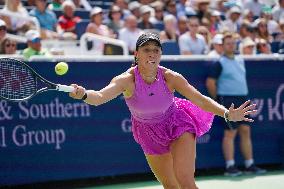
(195, 26)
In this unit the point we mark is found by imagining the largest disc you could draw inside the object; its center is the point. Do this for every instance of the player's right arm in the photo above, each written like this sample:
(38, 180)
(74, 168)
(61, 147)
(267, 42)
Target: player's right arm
(117, 86)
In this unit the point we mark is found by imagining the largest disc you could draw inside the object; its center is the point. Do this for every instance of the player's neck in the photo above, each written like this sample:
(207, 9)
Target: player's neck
(148, 77)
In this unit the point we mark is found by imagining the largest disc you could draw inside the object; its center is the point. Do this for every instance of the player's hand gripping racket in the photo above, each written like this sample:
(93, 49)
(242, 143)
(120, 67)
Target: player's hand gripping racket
(19, 82)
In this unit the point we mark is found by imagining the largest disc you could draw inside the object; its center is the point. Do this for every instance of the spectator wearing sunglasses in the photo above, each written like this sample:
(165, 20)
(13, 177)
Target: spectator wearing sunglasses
(8, 46)
(192, 43)
(34, 45)
(263, 47)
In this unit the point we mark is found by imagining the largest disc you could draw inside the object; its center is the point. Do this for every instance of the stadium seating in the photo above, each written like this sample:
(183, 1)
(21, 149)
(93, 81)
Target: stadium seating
(159, 26)
(275, 46)
(170, 48)
(81, 27)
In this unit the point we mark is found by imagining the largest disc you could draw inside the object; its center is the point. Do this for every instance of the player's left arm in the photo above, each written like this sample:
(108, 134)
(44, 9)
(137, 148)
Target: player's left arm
(181, 85)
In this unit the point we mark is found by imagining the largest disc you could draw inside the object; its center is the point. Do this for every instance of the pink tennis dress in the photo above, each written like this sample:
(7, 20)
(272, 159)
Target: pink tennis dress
(158, 118)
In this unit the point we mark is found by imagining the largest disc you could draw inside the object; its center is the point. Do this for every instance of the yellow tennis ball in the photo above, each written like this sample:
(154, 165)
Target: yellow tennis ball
(61, 68)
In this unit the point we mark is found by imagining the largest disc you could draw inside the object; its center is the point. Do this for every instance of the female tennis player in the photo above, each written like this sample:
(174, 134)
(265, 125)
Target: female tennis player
(166, 127)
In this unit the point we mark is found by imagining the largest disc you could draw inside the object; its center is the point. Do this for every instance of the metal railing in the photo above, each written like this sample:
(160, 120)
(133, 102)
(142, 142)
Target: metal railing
(98, 42)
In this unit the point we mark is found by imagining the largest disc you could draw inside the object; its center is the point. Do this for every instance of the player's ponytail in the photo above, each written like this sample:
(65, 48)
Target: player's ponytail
(135, 62)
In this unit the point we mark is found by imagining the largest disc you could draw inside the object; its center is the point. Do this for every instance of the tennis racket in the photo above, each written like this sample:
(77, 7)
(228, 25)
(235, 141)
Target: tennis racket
(19, 82)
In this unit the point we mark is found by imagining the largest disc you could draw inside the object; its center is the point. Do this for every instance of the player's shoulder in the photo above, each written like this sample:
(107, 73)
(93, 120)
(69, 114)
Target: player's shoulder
(168, 73)
(128, 75)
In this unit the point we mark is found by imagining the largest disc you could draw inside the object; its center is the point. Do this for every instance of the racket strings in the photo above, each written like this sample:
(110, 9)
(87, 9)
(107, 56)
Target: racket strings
(16, 81)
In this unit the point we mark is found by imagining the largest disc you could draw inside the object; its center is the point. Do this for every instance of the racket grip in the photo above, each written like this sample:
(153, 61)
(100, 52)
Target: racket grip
(65, 88)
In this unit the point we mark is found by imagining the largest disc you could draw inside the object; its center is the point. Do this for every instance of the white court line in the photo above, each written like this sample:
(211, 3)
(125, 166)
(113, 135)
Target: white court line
(242, 182)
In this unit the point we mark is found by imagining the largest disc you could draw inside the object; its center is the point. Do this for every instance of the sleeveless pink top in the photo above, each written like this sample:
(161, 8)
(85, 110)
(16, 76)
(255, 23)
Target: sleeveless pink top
(150, 102)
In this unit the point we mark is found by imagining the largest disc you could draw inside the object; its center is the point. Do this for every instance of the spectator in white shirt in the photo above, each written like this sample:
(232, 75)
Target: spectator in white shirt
(278, 11)
(191, 42)
(96, 25)
(15, 24)
(170, 32)
(255, 6)
(130, 33)
(231, 23)
(272, 25)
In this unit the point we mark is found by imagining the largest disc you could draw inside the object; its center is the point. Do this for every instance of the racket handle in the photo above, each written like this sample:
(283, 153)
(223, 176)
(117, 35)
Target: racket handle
(65, 88)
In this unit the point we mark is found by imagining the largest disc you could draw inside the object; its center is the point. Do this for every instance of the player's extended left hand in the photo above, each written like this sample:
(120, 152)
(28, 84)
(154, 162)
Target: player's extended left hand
(240, 113)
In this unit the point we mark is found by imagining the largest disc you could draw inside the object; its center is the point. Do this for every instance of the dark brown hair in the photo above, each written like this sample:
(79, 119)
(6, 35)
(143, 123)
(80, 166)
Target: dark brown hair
(3, 44)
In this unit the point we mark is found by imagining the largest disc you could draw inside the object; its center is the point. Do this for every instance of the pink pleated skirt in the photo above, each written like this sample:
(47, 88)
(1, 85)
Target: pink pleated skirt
(183, 116)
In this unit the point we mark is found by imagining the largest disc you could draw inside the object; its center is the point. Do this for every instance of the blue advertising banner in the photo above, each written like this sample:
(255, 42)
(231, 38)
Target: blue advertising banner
(53, 137)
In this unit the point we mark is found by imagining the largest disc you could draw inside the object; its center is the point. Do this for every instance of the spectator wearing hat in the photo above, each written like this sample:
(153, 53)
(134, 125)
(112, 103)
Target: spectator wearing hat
(134, 8)
(220, 6)
(190, 12)
(191, 42)
(96, 25)
(157, 18)
(246, 30)
(123, 5)
(115, 22)
(55, 5)
(34, 45)
(79, 4)
(145, 14)
(170, 31)
(47, 19)
(3, 30)
(202, 9)
(67, 22)
(217, 45)
(214, 22)
(261, 29)
(248, 15)
(231, 24)
(247, 47)
(130, 33)
(272, 25)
